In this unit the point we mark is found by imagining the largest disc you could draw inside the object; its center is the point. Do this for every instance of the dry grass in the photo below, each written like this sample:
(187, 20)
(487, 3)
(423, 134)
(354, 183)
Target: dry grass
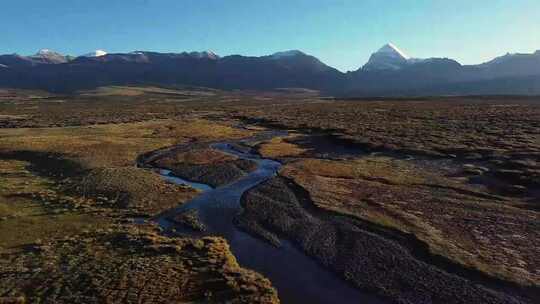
(138, 91)
(278, 147)
(458, 126)
(200, 157)
(455, 220)
(26, 216)
(139, 191)
(63, 228)
(107, 155)
(123, 265)
(468, 225)
(383, 168)
(368, 255)
(113, 145)
(202, 164)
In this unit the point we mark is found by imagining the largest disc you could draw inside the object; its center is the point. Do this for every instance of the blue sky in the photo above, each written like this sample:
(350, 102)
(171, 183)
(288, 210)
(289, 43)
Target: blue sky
(341, 33)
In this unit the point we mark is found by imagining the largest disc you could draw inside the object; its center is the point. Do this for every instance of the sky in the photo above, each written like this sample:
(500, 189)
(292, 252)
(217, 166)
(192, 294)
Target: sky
(342, 33)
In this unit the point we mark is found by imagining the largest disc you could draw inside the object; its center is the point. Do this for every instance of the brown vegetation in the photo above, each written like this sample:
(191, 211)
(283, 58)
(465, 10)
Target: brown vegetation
(136, 265)
(456, 220)
(63, 191)
(205, 165)
(502, 133)
(278, 148)
(448, 213)
(371, 257)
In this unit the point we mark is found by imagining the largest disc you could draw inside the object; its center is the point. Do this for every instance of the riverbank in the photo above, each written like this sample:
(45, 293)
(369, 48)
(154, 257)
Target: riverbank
(68, 197)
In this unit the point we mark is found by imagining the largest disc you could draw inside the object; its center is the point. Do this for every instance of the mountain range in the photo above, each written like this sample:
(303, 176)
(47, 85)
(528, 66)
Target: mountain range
(389, 72)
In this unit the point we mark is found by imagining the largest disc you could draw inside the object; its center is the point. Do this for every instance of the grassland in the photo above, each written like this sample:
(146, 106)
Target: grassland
(458, 175)
(70, 189)
(501, 132)
(205, 165)
(438, 202)
(119, 265)
(32, 209)
(468, 226)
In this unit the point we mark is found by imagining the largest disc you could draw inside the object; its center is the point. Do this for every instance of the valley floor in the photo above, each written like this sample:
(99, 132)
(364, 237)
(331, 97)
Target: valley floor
(422, 201)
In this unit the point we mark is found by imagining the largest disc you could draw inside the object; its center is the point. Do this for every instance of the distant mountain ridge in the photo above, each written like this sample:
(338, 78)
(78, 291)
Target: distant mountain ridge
(96, 53)
(389, 71)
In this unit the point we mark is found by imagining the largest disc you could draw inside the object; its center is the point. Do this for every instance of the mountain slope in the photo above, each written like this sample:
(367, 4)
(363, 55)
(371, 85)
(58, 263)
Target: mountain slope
(43, 56)
(47, 56)
(388, 57)
(389, 72)
(195, 68)
(512, 65)
(96, 53)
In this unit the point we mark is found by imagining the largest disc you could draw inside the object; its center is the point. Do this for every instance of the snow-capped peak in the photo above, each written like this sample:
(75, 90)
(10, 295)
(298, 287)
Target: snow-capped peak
(96, 53)
(388, 57)
(204, 54)
(43, 52)
(48, 56)
(46, 53)
(391, 49)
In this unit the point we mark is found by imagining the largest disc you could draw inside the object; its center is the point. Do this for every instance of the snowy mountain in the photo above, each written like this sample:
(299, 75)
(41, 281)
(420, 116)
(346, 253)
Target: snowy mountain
(45, 53)
(389, 57)
(389, 72)
(96, 53)
(48, 56)
(42, 57)
(204, 54)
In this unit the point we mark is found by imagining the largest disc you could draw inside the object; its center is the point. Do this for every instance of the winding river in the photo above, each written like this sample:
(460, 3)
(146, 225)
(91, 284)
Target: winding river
(297, 277)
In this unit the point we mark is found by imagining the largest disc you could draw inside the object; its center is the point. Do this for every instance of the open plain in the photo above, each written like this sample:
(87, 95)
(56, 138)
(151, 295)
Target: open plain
(427, 200)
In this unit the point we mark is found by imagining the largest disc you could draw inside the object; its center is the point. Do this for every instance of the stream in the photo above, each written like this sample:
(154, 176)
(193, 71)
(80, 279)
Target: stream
(297, 277)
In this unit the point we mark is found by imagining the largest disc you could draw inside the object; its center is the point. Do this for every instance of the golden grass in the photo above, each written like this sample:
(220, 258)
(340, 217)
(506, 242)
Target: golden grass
(395, 194)
(137, 91)
(24, 219)
(278, 147)
(391, 171)
(109, 152)
(139, 191)
(201, 157)
(135, 263)
(201, 130)
(91, 204)
(113, 145)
